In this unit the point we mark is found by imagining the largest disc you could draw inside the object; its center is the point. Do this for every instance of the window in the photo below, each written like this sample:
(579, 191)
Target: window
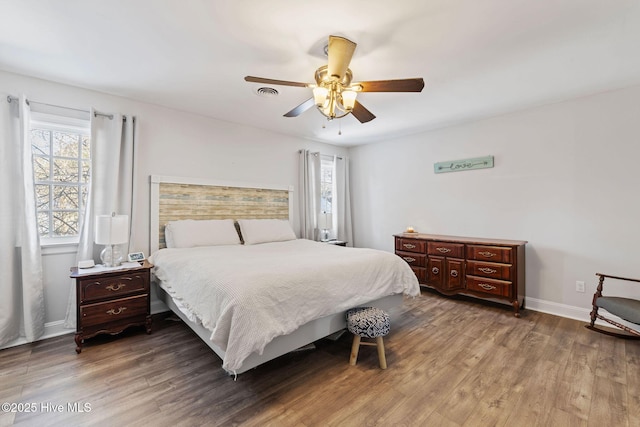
(326, 184)
(61, 153)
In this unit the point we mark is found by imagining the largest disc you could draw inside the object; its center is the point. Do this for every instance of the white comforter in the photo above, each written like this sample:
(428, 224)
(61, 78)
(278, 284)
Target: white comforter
(248, 295)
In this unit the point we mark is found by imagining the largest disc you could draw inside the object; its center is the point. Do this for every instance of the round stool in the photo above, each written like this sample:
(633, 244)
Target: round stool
(368, 322)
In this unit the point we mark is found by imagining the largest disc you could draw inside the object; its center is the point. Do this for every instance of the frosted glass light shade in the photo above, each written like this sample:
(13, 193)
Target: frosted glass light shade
(349, 99)
(320, 95)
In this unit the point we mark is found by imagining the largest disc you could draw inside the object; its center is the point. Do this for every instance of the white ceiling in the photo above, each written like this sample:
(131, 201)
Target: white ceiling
(478, 58)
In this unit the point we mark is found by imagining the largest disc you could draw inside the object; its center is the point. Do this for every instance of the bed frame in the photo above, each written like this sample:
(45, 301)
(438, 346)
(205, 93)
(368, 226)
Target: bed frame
(174, 198)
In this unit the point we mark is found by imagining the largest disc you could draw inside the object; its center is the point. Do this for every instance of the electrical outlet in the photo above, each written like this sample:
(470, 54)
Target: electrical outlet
(579, 286)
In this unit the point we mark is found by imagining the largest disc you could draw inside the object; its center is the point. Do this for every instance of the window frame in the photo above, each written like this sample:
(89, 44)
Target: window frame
(71, 125)
(326, 162)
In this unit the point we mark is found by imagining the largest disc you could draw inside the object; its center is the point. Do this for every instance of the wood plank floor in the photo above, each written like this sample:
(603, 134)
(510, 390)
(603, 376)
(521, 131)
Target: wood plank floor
(452, 362)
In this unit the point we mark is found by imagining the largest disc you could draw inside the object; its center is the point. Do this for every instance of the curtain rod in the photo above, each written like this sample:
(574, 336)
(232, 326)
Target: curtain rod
(96, 113)
(317, 152)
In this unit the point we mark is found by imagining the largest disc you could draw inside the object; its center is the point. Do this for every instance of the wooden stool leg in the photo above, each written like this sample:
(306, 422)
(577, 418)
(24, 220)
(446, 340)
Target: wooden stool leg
(354, 350)
(381, 356)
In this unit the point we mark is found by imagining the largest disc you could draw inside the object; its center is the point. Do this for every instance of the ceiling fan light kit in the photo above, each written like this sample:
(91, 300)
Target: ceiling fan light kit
(333, 93)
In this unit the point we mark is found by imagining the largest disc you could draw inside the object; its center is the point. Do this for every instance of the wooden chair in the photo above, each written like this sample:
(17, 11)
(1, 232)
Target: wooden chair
(624, 308)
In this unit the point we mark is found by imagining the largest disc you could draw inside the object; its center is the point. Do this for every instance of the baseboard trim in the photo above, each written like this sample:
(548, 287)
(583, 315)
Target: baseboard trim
(158, 306)
(568, 311)
(51, 329)
(562, 310)
(55, 329)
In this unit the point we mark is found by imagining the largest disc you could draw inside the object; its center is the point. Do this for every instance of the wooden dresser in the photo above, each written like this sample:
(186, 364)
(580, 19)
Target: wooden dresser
(108, 302)
(483, 268)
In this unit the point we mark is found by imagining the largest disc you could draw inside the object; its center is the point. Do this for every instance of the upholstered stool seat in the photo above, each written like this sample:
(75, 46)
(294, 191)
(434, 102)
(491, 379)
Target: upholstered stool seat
(368, 322)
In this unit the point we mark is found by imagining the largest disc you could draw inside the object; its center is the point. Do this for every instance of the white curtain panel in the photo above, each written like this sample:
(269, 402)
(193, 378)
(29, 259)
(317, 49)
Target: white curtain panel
(110, 188)
(21, 287)
(342, 198)
(309, 198)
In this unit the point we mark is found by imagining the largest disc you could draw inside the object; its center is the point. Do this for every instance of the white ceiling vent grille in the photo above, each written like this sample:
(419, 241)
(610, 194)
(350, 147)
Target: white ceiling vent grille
(266, 91)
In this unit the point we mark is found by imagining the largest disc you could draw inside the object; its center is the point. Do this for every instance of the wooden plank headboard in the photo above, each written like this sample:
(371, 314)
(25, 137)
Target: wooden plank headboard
(174, 198)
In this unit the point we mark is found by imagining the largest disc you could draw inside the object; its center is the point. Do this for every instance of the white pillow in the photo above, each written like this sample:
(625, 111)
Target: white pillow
(209, 232)
(265, 230)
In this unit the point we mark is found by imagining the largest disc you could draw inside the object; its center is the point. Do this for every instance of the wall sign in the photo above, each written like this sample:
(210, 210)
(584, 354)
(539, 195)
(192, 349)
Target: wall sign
(463, 165)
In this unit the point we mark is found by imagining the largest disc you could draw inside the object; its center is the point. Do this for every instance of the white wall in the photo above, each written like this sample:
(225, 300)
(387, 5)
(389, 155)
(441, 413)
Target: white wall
(171, 143)
(566, 179)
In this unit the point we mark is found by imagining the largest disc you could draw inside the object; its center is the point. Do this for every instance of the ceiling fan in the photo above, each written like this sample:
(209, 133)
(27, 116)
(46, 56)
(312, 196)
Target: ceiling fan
(334, 93)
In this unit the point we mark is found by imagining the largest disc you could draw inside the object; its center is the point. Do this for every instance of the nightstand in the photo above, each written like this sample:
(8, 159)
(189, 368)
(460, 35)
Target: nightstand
(336, 242)
(109, 300)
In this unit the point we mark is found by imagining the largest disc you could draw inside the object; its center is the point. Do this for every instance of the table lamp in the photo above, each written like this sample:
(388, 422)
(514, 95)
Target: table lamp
(325, 223)
(111, 230)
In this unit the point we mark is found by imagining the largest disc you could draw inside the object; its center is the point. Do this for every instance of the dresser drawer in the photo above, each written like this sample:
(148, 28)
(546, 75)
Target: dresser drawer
(453, 250)
(489, 253)
(413, 259)
(115, 310)
(489, 286)
(114, 287)
(489, 269)
(411, 245)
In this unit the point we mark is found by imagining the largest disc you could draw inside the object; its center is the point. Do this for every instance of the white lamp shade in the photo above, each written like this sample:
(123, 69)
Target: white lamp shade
(325, 221)
(112, 229)
(349, 99)
(320, 95)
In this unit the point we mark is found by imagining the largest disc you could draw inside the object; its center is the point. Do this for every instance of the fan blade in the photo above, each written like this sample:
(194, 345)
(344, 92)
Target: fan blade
(274, 82)
(402, 85)
(362, 114)
(340, 52)
(301, 108)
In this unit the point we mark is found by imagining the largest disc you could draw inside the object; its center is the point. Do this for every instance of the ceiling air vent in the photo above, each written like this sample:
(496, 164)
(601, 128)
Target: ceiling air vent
(266, 91)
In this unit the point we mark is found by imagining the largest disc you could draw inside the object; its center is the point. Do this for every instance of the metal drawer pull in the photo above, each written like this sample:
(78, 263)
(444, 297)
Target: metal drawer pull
(116, 288)
(435, 270)
(487, 254)
(454, 273)
(487, 270)
(486, 287)
(408, 258)
(443, 250)
(113, 312)
(408, 245)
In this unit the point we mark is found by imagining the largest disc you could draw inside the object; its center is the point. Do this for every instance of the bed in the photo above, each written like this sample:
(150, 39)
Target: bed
(253, 300)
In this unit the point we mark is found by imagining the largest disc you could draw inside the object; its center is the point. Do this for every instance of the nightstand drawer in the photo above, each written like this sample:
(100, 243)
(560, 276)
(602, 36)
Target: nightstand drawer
(110, 311)
(113, 287)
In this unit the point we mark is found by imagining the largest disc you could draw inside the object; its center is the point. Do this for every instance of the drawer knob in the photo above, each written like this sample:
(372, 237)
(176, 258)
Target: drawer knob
(443, 250)
(487, 270)
(114, 312)
(486, 286)
(435, 270)
(116, 287)
(487, 254)
(408, 258)
(409, 245)
(454, 273)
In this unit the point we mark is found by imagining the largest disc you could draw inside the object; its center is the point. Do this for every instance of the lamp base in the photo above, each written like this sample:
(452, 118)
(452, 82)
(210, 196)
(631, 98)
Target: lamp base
(111, 256)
